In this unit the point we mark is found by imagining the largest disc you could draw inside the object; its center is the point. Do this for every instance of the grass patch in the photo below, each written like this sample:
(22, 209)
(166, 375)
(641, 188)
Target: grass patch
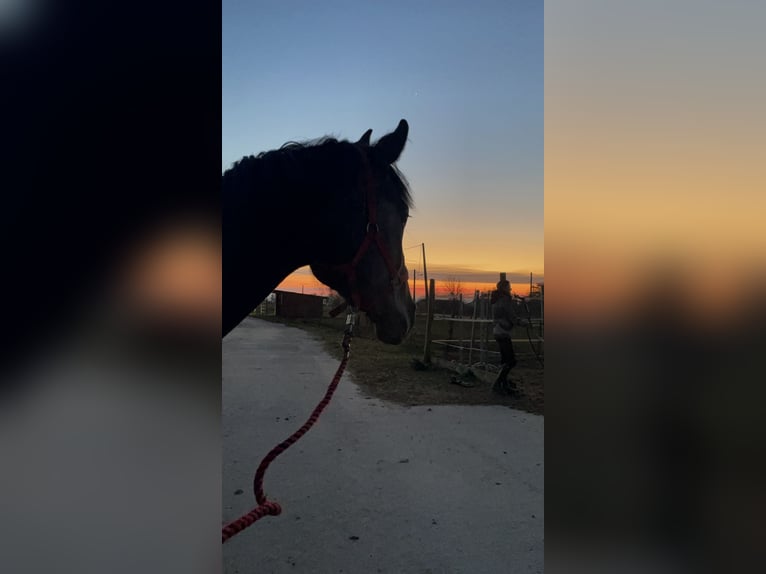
(391, 372)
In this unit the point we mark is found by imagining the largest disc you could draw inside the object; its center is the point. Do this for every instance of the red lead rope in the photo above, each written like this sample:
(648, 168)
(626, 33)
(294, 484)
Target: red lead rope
(266, 507)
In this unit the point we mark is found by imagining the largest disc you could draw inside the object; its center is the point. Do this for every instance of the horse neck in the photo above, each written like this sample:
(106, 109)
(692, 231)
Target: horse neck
(272, 225)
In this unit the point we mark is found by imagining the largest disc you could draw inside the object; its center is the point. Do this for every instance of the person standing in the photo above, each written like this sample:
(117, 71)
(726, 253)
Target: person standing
(504, 318)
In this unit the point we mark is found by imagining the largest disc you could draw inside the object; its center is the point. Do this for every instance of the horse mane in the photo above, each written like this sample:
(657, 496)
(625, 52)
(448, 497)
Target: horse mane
(328, 155)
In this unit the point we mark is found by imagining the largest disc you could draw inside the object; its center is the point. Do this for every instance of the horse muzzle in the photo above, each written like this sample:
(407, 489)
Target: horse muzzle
(393, 327)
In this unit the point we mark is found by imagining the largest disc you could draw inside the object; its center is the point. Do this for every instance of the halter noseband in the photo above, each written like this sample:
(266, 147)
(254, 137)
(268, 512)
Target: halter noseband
(372, 236)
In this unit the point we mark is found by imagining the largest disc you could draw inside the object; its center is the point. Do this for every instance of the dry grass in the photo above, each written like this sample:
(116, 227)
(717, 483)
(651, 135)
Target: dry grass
(389, 372)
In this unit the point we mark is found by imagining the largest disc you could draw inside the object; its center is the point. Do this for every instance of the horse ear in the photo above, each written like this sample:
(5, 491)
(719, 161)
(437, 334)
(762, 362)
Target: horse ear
(390, 146)
(364, 141)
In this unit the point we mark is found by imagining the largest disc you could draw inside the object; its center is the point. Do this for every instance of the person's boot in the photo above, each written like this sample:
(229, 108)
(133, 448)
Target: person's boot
(501, 381)
(511, 389)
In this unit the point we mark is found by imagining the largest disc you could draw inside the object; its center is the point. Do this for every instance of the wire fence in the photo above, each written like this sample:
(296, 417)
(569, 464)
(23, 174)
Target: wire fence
(467, 342)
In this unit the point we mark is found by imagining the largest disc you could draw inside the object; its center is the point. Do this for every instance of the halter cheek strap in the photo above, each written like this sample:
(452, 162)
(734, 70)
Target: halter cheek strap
(372, 236)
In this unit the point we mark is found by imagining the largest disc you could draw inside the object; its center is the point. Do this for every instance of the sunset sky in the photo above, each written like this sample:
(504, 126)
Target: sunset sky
(468, 77)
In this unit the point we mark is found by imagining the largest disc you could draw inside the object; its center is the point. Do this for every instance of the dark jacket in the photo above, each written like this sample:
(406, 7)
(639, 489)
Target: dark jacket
(503, 315)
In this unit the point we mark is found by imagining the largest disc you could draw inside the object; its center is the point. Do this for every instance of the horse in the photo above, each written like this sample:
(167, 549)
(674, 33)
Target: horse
(336, 206)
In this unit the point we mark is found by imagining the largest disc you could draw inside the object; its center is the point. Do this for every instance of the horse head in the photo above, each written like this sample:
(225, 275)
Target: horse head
(372, 274)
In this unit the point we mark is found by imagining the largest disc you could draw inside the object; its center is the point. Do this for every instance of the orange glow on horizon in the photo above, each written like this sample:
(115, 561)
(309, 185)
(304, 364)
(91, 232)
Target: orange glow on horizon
(300, 282)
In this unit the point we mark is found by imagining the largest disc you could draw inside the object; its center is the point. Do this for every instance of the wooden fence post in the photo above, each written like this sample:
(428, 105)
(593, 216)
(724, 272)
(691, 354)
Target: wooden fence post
(473, 324)
(425, 274)
(484, 329)
(429, 320)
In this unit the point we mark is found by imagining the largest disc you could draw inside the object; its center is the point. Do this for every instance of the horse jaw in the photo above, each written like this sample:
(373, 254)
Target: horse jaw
(392, 311)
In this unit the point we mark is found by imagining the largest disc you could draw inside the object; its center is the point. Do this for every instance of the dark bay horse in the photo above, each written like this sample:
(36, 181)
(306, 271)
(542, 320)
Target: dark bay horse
(337, 206)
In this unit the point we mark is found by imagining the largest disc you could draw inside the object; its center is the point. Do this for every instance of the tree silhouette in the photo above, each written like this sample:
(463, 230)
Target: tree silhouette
(453, 286)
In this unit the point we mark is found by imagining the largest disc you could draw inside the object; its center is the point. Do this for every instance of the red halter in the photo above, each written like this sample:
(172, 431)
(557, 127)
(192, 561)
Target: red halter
(372, 236)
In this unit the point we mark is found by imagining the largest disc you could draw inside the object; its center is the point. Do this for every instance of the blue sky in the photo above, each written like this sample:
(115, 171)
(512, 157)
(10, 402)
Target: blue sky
(467, 76)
